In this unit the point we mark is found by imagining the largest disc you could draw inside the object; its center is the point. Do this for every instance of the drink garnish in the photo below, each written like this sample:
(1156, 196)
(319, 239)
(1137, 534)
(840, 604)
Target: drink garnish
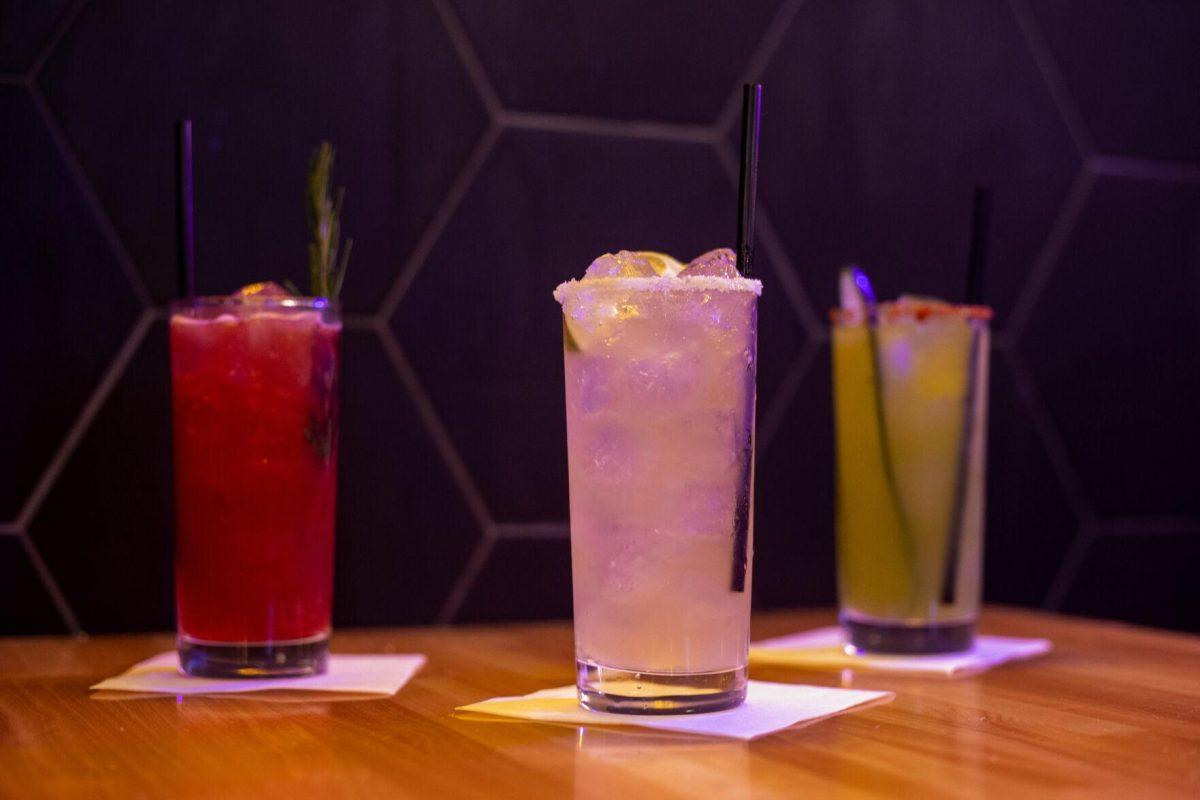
(262, 290)
(856, 296)
(663, 264)
(326, 258)
(859, 307)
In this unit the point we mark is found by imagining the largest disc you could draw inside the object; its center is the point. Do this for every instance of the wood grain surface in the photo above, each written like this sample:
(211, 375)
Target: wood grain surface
(1114, 711)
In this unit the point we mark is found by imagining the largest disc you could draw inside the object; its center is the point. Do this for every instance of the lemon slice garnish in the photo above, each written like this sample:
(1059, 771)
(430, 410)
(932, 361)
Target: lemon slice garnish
(663, 264)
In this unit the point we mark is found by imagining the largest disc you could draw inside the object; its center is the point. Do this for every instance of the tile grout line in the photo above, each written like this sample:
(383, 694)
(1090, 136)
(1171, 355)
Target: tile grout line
(51, 43)
(1149, 169)
(532, 530)
(1047, 433)
(467, 56)
(1064, 579)
(441, 219)
(434, 427)
(786, 393)
(1047, 257)
(13, 79)
(51, 586)
(91, 408)
(600, 126)
(98, 212)
(777, 29)
(1052, 76)
(10, 529)
(466, 579)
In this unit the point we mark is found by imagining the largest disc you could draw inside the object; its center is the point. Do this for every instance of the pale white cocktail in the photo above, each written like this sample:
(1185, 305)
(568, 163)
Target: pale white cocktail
(659, 365)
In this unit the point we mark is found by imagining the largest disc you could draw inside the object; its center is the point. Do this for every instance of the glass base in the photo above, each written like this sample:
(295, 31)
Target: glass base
(623, 692)
(897, 638)
(254, 660)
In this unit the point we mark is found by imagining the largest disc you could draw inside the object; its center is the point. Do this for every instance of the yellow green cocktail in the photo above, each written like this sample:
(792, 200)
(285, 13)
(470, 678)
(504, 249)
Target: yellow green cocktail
(910, 403)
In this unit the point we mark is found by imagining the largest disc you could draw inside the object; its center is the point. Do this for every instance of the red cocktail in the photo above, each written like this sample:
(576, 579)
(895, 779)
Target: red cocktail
(254, 390)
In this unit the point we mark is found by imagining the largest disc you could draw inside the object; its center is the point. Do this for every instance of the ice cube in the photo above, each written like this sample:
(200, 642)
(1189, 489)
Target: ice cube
(660, 383)
(611, 457)
(262, 289)
(721, 263)
(595, 388)
(705, 509)
(624, 264)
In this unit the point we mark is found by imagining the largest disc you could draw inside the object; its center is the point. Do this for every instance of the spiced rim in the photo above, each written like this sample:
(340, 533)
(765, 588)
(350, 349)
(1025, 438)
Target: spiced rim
(918, 310)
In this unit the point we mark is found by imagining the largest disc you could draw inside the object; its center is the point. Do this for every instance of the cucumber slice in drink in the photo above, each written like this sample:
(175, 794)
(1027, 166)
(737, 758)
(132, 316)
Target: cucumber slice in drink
(858, 303)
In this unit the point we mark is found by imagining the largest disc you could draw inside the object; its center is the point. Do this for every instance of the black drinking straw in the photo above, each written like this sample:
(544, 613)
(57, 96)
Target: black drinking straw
(185, 212)
(981, 212)
(747, 193)
(981, 209)
(748, 177)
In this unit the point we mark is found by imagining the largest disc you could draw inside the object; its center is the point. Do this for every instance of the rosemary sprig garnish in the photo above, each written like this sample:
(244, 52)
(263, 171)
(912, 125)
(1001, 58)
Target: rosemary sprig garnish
(326, 269)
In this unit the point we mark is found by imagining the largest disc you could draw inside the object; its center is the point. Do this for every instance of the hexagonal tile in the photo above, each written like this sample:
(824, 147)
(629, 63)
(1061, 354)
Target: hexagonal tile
(626, 59)
(105, 530)
(1133, 69)
(25, 26)
(404, 531)
(793, 503)
(522, 579)
(1114, 343)
(1030, 523)
(878, 121)
(25, 606)
(264, 85)
(64, 289)
(1149, 579)
(484, 293)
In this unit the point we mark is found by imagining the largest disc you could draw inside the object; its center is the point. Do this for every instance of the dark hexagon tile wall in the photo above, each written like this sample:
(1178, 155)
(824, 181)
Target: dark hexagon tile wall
(1114, 342)
(265, 83)
(793, 503)
(474, 188)
(26, 27)
(1134, 69)
(479, 322)
(625, 59)
(1030, 519)
(404, 530)
(25, 607)
(879, 119)
(66, 297)
(523, 579)
(105, 530)
(1145, 577)
(781, 334)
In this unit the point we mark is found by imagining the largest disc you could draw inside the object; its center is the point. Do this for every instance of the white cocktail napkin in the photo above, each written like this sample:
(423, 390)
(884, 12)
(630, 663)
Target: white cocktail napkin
(769, 707)
(824, 648)
(361, 674)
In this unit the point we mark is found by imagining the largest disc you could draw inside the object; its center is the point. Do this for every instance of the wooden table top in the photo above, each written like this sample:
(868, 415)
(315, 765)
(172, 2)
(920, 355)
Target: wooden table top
(1113, 711)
